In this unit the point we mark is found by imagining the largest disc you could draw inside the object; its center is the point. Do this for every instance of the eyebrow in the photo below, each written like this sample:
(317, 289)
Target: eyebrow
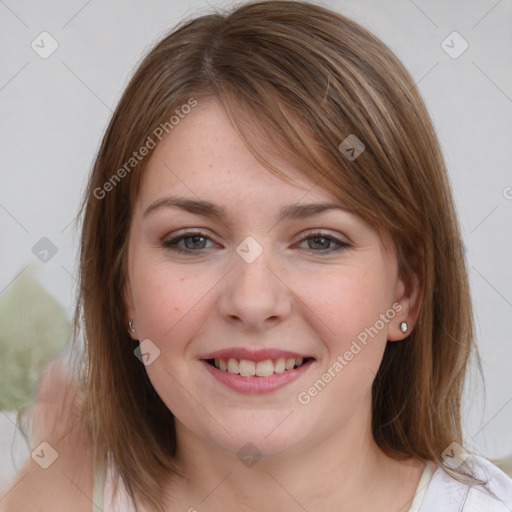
(209, 209)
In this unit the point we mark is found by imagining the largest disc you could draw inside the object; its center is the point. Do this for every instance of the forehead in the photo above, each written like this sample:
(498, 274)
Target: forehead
(203, 156)
(203, 159)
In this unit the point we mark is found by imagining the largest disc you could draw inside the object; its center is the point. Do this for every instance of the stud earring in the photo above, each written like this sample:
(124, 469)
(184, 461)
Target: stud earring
(403, 326)
(130, 326)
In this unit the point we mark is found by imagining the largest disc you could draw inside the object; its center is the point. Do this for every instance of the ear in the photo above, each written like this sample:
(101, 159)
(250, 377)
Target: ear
(129, 307)
(408, 293)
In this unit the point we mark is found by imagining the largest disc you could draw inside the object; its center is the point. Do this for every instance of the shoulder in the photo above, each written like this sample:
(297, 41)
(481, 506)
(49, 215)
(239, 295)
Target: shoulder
(58, 476)
(444, 493)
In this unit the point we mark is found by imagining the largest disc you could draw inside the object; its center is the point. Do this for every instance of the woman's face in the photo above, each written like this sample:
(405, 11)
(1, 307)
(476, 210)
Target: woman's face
(256, 291)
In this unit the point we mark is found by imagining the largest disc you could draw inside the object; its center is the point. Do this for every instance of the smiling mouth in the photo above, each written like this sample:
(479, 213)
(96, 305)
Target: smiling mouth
(266, 368)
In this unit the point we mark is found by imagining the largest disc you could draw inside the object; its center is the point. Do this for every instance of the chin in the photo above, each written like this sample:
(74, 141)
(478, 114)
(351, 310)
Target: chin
(266, 437)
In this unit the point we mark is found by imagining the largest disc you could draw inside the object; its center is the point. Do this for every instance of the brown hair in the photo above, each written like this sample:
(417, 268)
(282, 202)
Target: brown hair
(304, 78)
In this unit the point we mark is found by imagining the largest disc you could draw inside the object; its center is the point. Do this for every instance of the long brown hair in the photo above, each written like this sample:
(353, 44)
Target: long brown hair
(296, 80)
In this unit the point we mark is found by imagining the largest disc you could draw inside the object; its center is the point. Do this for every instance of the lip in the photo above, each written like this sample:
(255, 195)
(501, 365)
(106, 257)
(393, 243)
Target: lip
(251, 354)
(257, 385)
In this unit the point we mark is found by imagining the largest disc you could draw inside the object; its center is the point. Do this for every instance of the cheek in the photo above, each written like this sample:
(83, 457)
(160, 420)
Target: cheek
(169, 301)
(350, 316)
(348, 304)
(169, 313)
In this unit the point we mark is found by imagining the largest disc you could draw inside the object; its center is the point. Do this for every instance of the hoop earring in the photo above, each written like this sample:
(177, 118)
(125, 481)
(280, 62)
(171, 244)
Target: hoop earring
(130, 326)
(404, 326)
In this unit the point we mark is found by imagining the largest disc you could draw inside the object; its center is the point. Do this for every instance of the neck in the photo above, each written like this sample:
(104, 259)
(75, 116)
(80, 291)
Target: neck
(343, 470)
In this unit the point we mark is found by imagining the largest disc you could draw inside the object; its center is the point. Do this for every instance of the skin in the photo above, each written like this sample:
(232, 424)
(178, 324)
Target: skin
(297, 295)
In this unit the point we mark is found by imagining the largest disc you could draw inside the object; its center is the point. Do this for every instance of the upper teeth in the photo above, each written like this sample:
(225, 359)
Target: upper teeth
(247, 368)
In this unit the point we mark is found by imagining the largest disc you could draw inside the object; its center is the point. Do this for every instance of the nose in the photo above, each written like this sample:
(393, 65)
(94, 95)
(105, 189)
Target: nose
(255, 295)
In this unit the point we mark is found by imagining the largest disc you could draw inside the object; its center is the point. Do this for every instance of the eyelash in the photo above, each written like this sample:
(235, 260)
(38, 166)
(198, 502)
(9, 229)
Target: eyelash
(172, 244)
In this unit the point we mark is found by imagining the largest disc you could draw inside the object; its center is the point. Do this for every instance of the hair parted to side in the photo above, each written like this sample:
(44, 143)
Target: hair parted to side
(295, 79)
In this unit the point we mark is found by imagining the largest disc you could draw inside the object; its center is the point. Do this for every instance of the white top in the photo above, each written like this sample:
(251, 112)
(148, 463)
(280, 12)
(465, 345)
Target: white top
(436, 491)
(445, 494)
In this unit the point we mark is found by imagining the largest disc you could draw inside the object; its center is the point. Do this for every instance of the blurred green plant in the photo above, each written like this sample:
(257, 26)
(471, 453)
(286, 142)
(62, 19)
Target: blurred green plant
(34, 329)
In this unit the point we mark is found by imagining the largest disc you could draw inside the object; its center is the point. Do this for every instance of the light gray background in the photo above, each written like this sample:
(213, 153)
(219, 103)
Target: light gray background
(54, 112)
